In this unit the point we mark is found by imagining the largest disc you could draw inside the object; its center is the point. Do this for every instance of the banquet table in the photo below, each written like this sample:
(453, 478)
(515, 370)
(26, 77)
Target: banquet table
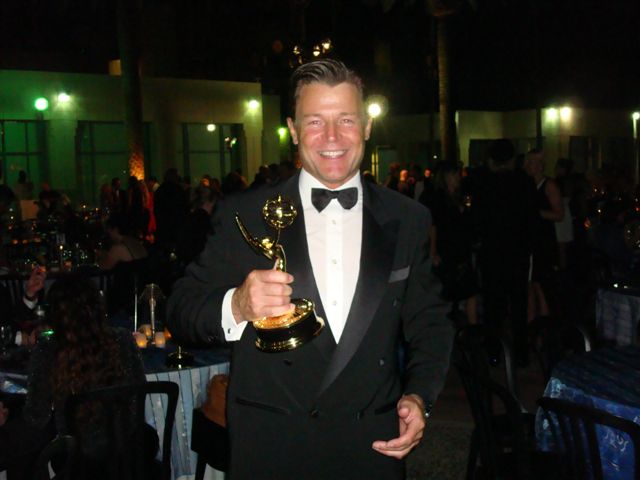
(607, 379)
(193, 391)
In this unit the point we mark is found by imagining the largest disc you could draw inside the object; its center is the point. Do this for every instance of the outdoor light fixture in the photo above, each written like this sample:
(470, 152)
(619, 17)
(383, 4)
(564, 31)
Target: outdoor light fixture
(376, 106)
(374, 110)
(41, 104)
(316, 51)
(253, 104)
(211, 127)
(552, 114)
(63, 97)
(326, 45)
(635, 116)
(282, 133)
(565, 114)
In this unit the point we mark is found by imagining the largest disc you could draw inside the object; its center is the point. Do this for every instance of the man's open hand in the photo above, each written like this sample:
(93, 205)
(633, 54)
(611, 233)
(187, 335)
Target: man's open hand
(412, 422)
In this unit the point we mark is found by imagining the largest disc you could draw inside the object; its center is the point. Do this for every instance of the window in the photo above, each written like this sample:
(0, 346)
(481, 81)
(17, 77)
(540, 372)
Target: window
(22, 148)
(102, 154)
(210, 149)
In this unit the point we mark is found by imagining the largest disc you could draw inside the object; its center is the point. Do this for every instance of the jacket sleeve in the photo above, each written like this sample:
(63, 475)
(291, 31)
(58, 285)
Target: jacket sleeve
(427, 328)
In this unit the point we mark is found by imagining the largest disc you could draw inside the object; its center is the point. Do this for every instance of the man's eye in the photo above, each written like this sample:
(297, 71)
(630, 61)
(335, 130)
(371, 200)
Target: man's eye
(348, 121)
(313, 122)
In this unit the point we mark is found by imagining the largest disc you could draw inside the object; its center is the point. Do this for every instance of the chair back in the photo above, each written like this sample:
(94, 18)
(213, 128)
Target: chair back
(61, 452)
(481, 392)
(482, 349)
(552, 343)
(14, 285)
(109, 426)
(570, 421)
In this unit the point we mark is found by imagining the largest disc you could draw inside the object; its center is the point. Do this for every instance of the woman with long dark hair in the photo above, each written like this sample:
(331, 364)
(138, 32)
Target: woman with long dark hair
(452, 239)
(82, 354)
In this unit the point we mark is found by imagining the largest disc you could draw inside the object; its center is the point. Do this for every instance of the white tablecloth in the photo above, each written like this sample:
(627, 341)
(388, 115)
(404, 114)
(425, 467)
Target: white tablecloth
(193, 392)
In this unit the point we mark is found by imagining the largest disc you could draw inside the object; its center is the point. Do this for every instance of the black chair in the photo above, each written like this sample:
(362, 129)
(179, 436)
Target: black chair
(503, 440)
(211, 442)
(14, 285)
(573, 421)
(114, 441)
(484, 350)
(502, 449)
(551, 343)
(61, 452)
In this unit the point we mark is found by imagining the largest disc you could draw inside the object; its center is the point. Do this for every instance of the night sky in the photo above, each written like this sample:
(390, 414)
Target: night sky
(505, 54)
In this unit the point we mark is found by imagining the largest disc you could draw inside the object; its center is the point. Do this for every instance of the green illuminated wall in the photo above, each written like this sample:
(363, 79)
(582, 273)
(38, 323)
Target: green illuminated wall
(167, 104)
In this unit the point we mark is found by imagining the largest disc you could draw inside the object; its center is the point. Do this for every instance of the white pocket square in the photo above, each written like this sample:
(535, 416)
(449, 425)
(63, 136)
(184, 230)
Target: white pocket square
(399, 274)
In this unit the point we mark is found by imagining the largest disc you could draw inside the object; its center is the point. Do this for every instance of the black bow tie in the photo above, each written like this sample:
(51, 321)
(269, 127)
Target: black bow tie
(320, 197)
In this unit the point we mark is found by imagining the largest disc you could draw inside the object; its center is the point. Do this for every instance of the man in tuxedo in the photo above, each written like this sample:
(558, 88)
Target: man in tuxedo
(339, 406)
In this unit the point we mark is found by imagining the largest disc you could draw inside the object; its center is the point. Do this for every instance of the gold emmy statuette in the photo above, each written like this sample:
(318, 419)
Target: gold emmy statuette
(294, 328)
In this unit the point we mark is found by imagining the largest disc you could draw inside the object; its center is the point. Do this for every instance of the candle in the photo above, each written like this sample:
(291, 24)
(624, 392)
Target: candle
(145, 329)
(159, 340)
(141, 340)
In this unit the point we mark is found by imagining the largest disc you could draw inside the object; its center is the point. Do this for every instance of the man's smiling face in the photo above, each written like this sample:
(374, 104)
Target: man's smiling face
(330, 129)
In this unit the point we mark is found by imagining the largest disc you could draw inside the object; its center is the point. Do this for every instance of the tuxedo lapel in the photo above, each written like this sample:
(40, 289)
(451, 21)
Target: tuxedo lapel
(294, 241)
(376, 257)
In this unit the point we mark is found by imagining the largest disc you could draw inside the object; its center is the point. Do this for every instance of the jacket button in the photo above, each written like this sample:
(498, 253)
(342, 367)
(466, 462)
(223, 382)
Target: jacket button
(396, 302)
(314, 413)
(381, 362)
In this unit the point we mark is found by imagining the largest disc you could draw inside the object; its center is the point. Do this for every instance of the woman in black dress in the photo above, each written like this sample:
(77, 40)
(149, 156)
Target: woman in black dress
(452, 237)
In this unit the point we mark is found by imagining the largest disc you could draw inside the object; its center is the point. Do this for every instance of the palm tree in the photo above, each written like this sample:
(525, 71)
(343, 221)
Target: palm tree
(441, 11)
(128, 44)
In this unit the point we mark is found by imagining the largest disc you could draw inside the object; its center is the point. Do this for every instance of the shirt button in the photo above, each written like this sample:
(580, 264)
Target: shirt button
(334, 261)
(334, 303)
(333, 221)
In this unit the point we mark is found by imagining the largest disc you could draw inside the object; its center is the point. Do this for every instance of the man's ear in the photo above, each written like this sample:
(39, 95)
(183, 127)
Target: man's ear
(367, 128)
(292, 130)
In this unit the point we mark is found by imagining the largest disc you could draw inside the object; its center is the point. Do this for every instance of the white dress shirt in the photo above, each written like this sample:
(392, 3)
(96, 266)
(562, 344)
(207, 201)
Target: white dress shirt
(334, 238)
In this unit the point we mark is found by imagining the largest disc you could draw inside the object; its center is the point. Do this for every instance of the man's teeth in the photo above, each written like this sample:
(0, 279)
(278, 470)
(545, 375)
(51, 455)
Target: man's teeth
(333, 153)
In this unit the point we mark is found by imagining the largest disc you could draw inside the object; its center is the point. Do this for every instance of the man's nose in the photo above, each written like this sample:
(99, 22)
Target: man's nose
(331, 131)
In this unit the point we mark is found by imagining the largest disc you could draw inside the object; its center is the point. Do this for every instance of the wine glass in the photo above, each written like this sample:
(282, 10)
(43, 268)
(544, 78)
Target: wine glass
(6, 337)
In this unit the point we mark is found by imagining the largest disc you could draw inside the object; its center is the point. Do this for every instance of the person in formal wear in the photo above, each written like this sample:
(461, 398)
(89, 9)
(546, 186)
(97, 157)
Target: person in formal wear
(543, 287)
(452, 238)
(505, 207)
(338, 406)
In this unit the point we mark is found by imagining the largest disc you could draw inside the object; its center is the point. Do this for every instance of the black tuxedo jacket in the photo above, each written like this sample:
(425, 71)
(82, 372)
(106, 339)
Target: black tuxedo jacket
(315, 411)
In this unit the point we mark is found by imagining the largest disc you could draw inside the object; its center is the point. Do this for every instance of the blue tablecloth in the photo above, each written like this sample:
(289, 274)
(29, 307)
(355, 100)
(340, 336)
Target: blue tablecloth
(607, 379)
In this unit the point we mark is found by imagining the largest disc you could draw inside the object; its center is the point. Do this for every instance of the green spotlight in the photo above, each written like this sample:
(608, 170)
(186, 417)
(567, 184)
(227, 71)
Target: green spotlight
(253, 104)
(282, 133)
(41, 104)
(635, 116)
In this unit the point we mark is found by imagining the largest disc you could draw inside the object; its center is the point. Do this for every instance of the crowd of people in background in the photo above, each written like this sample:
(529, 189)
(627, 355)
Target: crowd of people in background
(510, 244)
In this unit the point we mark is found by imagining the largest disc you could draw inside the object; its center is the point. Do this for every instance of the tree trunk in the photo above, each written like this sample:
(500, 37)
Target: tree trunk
(128, 44)
(447, 120)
